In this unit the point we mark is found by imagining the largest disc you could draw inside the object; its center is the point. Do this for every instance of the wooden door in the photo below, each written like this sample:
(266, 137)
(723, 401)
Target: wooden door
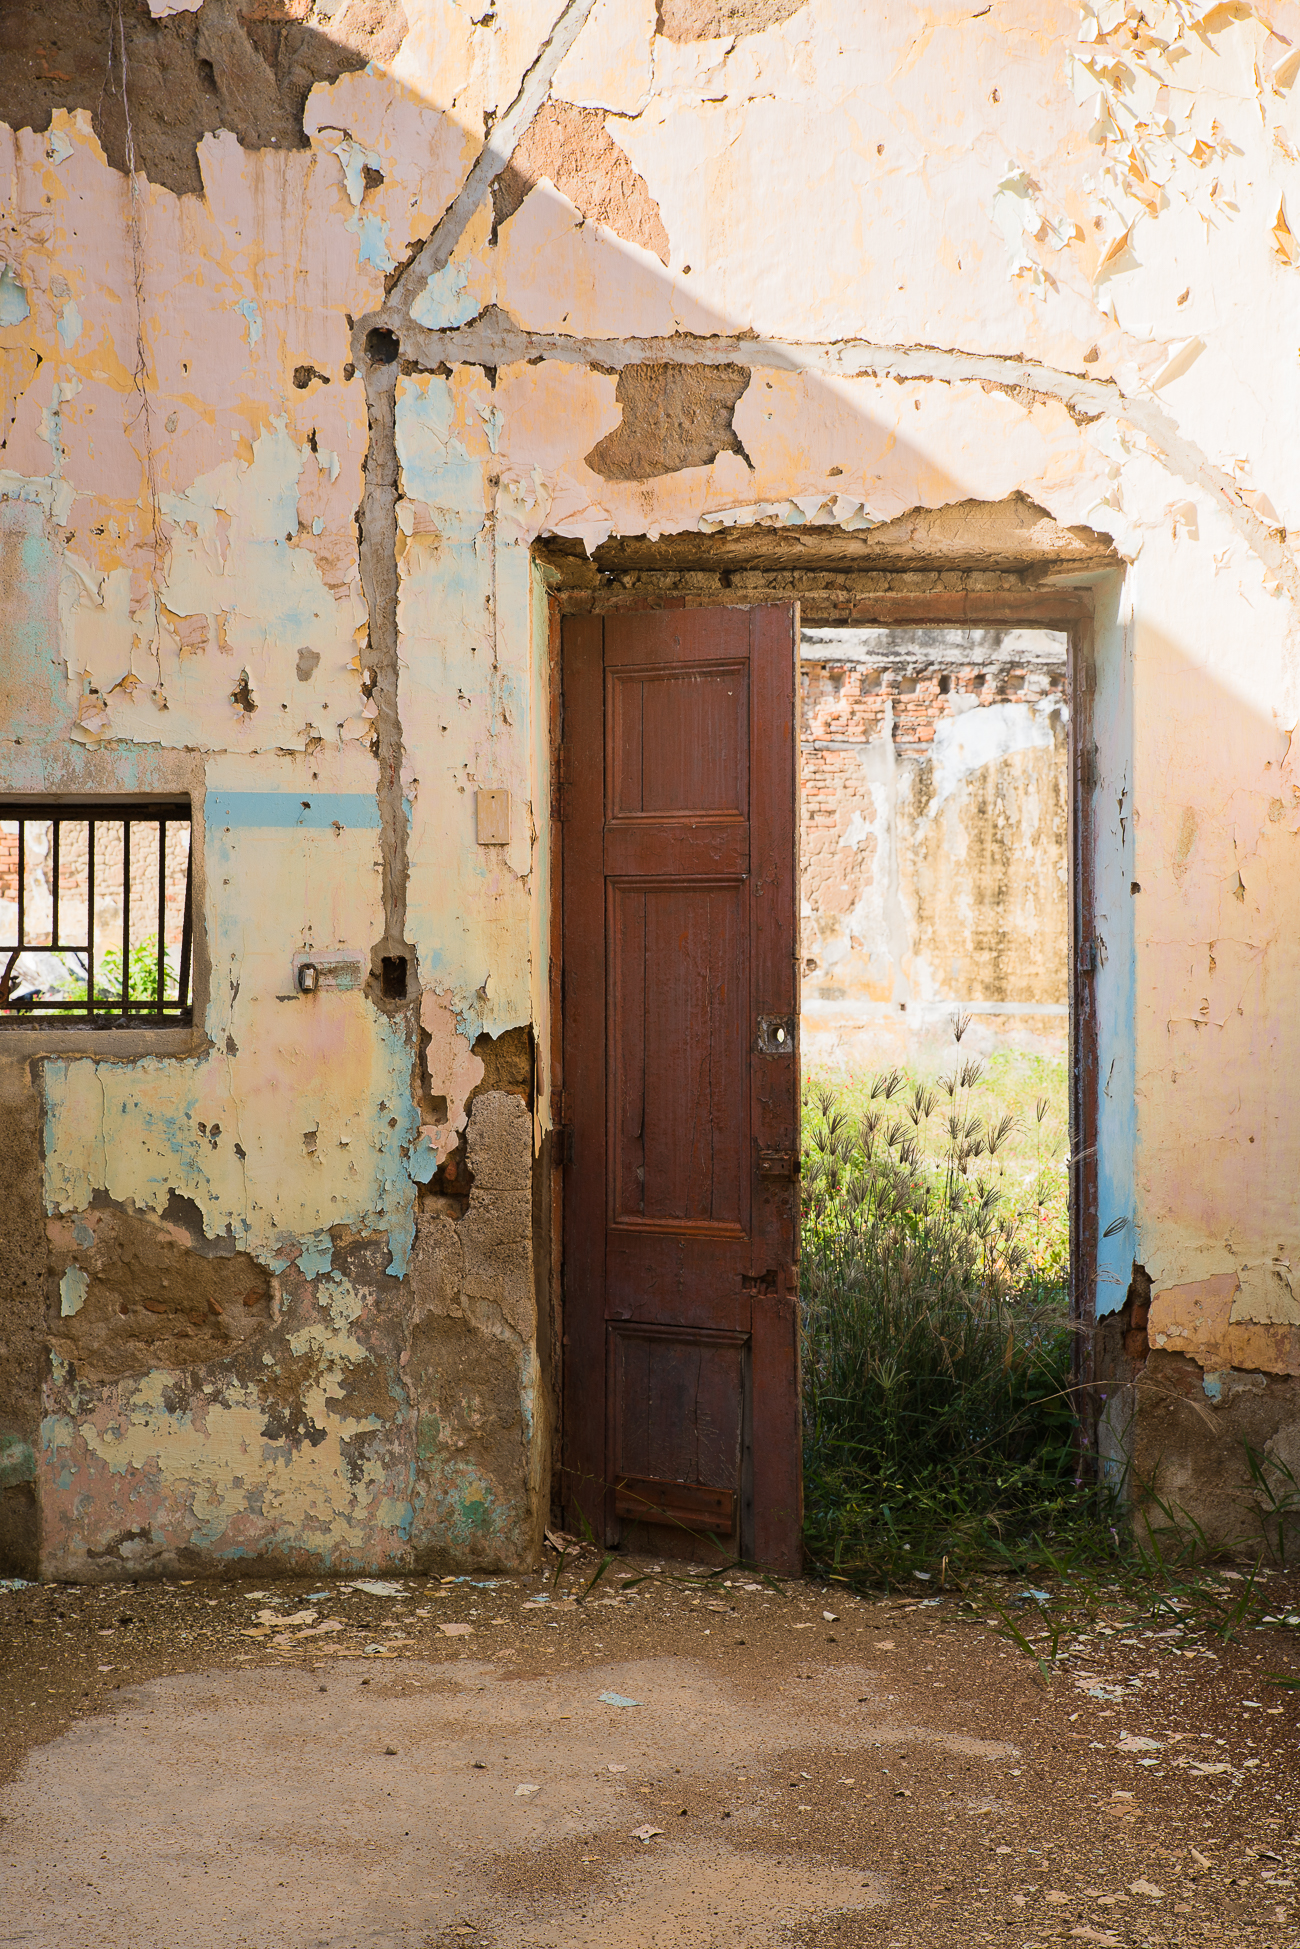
(681, 1080)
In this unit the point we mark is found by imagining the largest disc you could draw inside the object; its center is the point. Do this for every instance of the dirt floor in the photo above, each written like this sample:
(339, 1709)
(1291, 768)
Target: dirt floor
(404, 1764)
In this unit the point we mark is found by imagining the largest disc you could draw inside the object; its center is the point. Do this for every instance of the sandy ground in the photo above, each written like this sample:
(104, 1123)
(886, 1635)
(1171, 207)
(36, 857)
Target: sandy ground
(331, 1766)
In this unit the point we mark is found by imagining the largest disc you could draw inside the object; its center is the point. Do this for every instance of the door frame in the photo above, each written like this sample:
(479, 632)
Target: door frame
(1061, 607)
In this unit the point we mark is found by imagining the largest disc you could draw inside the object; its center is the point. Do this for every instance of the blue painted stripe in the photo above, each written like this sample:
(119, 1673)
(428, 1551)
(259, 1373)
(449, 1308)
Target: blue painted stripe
(358, 811)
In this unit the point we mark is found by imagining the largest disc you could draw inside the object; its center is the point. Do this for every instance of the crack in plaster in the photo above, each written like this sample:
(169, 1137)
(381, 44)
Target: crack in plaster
(378, 550)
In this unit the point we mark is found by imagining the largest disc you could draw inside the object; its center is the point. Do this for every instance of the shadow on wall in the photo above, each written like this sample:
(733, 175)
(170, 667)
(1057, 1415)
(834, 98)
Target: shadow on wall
(353, 1463)
(249, 69)
(703, 397)
(243, 65)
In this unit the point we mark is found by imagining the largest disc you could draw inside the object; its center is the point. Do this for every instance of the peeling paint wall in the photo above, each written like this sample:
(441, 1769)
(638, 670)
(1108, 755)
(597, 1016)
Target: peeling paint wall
(402, 299)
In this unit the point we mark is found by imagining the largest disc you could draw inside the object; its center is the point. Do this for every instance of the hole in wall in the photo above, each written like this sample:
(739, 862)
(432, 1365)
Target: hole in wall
(382, 346)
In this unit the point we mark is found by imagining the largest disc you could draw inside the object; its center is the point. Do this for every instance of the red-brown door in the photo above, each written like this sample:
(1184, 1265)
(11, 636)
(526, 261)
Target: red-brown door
(681, 1080)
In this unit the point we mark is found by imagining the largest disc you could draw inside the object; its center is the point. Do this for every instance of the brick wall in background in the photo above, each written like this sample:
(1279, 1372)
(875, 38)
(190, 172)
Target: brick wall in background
(935, 867)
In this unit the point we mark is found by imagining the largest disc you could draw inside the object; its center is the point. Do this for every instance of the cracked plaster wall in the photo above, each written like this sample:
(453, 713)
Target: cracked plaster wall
(962, 255)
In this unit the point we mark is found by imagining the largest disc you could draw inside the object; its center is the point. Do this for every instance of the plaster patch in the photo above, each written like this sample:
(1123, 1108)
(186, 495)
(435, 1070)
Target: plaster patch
(238, 580)
(1198, 1319)
(611, 64)
(371, 232)
(446, 300)
(452, 1070)
(1265, 1296)
(674, 417)
(1018, 215)
(251, 313)
(70, 325)
(354, 159)
(572, 150)
(965, 743)
(73, 1287)
(14, 307)
(435, 440)
(710, 20)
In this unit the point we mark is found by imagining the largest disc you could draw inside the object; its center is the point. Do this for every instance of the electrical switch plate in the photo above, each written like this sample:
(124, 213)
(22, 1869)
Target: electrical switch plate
(338, 967)
(494, 818)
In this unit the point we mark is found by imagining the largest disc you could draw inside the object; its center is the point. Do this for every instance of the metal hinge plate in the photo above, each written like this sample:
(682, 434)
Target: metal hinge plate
(778, 1163)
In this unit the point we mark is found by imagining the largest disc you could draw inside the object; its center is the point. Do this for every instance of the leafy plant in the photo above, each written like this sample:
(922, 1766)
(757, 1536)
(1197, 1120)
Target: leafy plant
(143, 974)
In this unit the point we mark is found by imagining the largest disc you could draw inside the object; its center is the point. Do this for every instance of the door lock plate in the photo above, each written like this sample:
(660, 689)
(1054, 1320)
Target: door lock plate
(775, 1035)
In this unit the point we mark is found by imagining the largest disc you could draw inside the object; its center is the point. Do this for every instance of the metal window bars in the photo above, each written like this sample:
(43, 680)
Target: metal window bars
(146, 991)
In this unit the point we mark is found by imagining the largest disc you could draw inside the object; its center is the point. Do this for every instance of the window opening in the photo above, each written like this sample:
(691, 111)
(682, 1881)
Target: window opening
(96, 904)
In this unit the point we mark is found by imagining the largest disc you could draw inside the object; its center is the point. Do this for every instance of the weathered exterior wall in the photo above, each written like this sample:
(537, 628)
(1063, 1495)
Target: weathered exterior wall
(396, 296)
(934, 863)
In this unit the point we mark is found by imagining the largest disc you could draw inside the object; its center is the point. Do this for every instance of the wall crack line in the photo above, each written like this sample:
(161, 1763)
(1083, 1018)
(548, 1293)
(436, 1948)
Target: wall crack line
(376, 347)
(377, 521)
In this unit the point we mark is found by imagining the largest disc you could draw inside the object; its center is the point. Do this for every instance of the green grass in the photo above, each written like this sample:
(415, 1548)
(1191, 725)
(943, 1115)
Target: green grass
(1031, 1167)
(143, 976)
(939, 1411)
(939, 1419)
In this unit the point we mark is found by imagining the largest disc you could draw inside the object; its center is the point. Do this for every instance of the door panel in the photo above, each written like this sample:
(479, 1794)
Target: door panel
(679, 740)
(680, 1221)
(677, 1041)
(679, 1434)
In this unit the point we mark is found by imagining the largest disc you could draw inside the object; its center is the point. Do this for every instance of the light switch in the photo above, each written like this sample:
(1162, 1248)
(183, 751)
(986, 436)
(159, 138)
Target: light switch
(493, 818)
(340, 968)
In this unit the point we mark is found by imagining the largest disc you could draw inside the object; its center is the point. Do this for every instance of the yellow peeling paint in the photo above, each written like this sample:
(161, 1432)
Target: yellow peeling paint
(968, 255)
(1204, 1320)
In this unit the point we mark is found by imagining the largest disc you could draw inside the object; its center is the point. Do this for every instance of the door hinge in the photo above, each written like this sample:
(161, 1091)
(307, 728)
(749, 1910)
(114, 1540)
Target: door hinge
(561, 1145)
(1087, 956)
(778, 1163)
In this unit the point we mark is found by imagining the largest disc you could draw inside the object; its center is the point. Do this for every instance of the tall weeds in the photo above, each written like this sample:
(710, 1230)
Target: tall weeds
(938, 1418)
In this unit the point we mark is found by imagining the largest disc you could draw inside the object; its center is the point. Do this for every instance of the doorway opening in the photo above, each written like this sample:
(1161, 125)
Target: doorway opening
(947, 1042)
(937, 888)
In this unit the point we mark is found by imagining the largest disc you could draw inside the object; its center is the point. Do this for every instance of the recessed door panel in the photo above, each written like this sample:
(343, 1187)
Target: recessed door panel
(678, 1438)
(679, 741)
(679, 1059)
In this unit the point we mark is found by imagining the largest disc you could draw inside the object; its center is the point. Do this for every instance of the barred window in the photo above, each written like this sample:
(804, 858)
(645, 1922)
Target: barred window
(95, 914)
